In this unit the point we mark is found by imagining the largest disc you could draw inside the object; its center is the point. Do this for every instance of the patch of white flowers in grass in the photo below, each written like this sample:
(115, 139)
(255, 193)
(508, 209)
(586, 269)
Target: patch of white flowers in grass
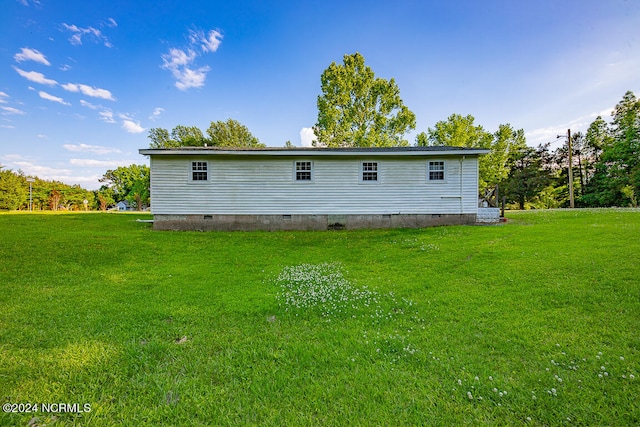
(564, 374)
(322, 289)
(480, 389)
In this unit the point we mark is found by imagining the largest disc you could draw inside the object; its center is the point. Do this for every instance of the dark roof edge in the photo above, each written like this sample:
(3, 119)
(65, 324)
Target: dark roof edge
(413, 150)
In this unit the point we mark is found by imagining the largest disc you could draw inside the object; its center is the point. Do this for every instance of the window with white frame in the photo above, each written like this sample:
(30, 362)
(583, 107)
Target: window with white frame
(199, 171)
(304, 171)
(369, 171)
(436, 170)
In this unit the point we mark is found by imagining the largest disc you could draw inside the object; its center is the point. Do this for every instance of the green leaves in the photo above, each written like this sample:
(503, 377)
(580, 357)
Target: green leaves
(356, 109)
(616, 180)
(231, 134)
(12, 191)
(221, 134)
(459, 131)
(129, 183)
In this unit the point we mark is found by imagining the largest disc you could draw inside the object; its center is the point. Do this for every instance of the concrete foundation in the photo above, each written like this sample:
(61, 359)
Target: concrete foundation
(305, 222)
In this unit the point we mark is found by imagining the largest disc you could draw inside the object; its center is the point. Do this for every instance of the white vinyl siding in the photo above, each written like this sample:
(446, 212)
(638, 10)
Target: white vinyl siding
(263, 185)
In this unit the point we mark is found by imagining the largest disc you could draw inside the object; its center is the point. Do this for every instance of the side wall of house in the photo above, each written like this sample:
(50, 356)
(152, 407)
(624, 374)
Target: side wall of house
(266, 185)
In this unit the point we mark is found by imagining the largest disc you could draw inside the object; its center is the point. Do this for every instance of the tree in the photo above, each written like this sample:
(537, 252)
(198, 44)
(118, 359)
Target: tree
(160, 138)
(139, 194)
(55, 196)
(221, 134)
(505, 142)
(356, 109)
(422, 139)
(616, 179)
(105, 198)
(181, 136)
(461, 131)
(12, 191)
(231, 134)
(188, 136)
(129, 183)
(624, 154)
(527, 178)
(73, 197)
(598, 136)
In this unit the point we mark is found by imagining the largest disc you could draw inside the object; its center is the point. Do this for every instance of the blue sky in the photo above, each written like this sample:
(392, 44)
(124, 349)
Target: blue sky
(82, 82)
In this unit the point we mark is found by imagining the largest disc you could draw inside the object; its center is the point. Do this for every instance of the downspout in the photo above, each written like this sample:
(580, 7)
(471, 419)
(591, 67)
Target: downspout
(461, 186)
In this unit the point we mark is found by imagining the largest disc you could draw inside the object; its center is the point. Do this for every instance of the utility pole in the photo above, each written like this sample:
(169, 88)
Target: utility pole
(30, 181)
(571, 202)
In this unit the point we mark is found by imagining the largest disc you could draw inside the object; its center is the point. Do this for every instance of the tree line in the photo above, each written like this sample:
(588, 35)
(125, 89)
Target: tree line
(358, 109)
(125, 183)
(605, 165)
(605, 161)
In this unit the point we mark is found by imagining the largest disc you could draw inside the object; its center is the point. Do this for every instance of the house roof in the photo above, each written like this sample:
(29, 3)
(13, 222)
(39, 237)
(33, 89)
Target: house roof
(312, 151)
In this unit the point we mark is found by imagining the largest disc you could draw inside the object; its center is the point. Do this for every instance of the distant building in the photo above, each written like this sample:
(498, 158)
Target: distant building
(209, 188)
(123, 206)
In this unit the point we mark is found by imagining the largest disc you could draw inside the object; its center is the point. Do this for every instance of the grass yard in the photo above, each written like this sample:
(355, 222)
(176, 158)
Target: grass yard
(535, 322)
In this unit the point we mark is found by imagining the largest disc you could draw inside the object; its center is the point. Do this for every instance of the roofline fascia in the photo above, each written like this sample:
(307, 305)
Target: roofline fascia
(312, 152)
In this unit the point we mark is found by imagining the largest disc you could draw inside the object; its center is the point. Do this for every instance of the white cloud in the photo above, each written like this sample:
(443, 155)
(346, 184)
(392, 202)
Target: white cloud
(10, 158)
(2, 97)
(180, 61)
(36, 77)
(88, 90)
(64, 67)
(157, 112)
(132, 127)
(7, 126)
(93, 163)
(209, 42)
(11, 110)
(188, 78)
(95, 149)
(89, 181)
(49, 97)
(177, 62)
(28, 54)
(88, 104)
(77, 33)
(26, 2)
(112, 22)
(43, 172)
(178, 58)
(551, 133)
(106, 116)
(307, 136)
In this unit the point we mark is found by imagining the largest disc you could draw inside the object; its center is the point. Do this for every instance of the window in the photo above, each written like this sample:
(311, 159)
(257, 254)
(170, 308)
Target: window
(199, 171)
(303, 171)
(436, 171)
(369, 171)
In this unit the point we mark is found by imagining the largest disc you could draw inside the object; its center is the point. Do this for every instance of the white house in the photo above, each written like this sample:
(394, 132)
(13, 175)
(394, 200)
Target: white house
(207, 188)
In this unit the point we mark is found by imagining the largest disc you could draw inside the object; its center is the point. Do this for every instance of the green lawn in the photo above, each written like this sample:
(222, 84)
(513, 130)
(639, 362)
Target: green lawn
(534, 322)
